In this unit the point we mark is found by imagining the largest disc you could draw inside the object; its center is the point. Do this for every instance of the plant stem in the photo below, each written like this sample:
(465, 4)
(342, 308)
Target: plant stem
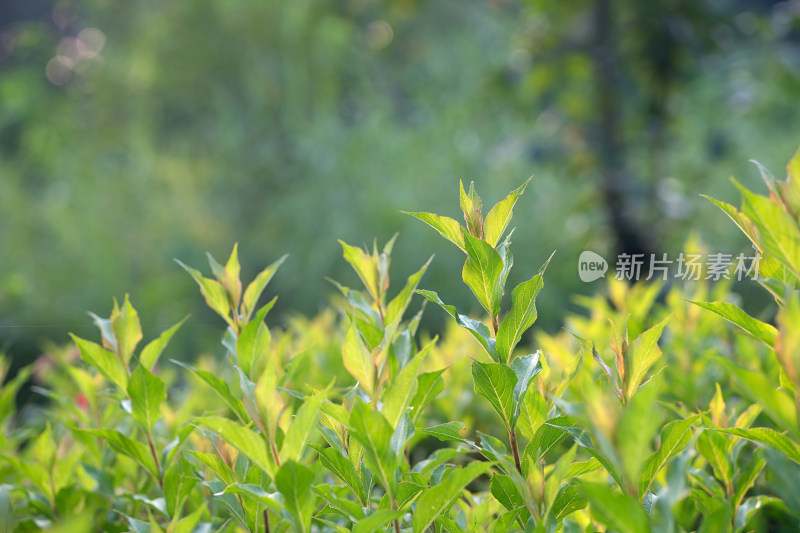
(274, 450)
(394, 506)
(153, 452)
(512, 437)
(266, 521)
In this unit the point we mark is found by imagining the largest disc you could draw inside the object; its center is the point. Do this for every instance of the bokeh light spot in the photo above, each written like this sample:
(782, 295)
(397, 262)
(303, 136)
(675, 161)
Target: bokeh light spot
(378, 34)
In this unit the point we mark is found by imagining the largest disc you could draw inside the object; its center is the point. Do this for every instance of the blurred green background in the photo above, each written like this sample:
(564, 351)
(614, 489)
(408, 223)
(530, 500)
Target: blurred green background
(132, 133)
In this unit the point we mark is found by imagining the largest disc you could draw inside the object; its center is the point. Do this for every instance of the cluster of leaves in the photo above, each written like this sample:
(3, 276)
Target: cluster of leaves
(643, 415)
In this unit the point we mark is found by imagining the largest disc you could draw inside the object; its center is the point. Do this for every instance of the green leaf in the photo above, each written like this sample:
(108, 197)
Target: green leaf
(637, 426)
(739, 218)
(214, 293)
(247, 442)
(371, 429)
(216, 269)
(568, 500)
(747, 477)
(557, 476)
(745, 511)
(188, 522)
(104, 325)
(150, 353)
(494, 450)
(521, 317)
(217, 465)
(44, 449)
(525, 368)
(9, 388)
(715, 447)
(401, 390)
(500, 215)
(398, 305)
(401, 435)
(504, 249)
(365, 266)
(408, 491)
(263, 400)
(255, 493)
(230, 277)
(358, 361)
(343, 468)
(338, 503)
(253, 340)
(294, 482)
(481, 273)
(126, 446)
(429, 385)
(227, 497)
(138, 526)
(376, 521)
(548, 436)
(496, 383)
(640, 356)
(471, 207)
(790, 188)
(777, 403)
(769, 437)
(532, 413)
(787, 346)
(449, 431)
(33, 472)
(108, 364)
(438, 499)
(301, 427)
(616, 511)
(580, 468)
(127, 330)
(447, 227)
(675, 436)
(778, 233)
(503, 489)
(478, 329)
(146, 392)
(256, 287)
(762, 331)
(179, 480)
(219, 386)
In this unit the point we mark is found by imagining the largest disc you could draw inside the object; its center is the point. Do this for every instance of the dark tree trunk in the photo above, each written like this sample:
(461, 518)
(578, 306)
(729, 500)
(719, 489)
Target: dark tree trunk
(617, 184)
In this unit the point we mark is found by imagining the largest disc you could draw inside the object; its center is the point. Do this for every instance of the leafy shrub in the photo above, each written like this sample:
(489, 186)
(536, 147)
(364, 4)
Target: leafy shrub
(644, 414)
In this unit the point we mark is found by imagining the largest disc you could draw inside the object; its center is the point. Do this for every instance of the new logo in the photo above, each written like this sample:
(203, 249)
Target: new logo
(591, 266)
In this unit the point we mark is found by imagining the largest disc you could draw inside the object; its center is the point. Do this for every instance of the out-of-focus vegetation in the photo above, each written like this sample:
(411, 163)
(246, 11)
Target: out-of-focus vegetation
(134, 132)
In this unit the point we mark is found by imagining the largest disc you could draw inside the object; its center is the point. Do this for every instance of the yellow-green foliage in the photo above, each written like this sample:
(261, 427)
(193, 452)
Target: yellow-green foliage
(646, 412)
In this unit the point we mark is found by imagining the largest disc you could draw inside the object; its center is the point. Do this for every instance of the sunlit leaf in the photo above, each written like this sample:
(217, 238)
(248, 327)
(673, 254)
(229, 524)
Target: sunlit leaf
(449, 229)
(481, 273)
(153, 350)
(500, 215)
(762, 331)
(437, 500)
(107, 363)
(256, 287)
(478, 329)
(147, 392)
(496, 383)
